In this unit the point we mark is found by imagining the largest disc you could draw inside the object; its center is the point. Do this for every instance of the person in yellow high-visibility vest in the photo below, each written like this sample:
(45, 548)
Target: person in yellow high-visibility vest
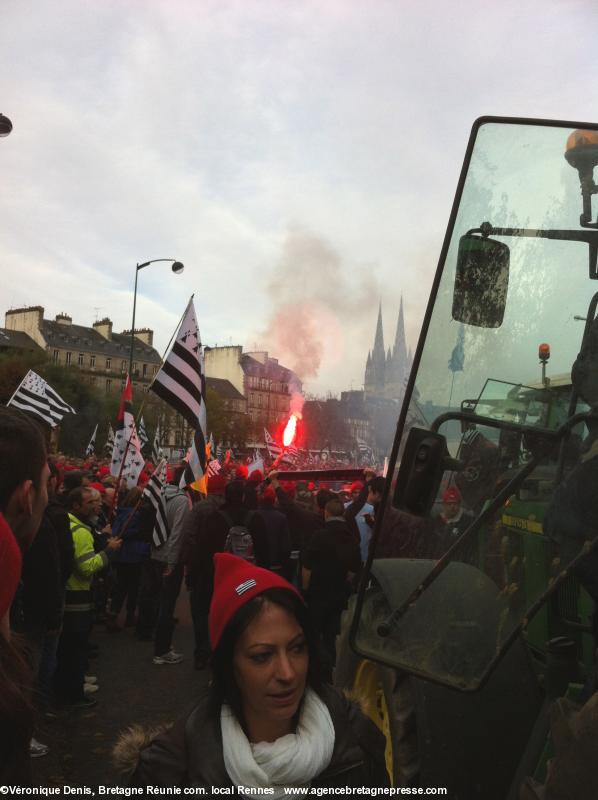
(72, 648)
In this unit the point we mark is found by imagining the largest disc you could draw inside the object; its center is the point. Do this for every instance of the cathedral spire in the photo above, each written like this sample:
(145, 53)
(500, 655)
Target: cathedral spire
(400, 346)
(378, 351)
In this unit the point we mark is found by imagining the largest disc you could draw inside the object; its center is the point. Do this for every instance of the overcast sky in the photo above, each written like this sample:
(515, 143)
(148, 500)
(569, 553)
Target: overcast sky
(300, 158)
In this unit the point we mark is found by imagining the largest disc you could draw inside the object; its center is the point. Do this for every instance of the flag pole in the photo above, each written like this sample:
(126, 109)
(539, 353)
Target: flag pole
(136, 508)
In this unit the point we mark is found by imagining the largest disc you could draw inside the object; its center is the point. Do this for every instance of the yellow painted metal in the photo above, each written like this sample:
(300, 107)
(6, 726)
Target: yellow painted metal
(367, 686)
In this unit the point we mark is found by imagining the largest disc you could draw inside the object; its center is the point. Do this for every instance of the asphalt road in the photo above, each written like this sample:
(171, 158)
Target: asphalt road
(132, 690)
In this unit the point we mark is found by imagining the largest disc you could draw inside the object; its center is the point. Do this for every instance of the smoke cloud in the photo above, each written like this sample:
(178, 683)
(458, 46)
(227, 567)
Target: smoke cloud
(321, 308)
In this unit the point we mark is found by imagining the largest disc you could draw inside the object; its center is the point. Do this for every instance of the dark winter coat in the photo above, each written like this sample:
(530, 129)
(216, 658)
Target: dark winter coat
(302, 523)
(277, 537)
(331, 555)
(190, 753)
(210, 538)
(135, 527)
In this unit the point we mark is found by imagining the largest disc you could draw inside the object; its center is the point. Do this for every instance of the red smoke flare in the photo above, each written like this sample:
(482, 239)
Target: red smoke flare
(290, 430)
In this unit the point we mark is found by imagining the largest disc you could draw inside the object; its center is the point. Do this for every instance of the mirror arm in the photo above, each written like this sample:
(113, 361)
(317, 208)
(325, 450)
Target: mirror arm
(590, 237)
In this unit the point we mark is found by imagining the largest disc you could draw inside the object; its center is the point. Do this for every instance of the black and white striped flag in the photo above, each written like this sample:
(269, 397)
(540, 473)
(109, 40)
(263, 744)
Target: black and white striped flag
(35, 396)
(127, 461)
(220, 450)
(143, 437)
(181, 383)
(91, 447)
(273, 448)
(156, 454)
(214, 467)
(154, 491)
(109, 446)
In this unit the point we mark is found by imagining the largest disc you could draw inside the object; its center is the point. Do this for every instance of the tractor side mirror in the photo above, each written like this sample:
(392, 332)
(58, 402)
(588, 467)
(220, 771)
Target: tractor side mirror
(420, 473)
(481, 281)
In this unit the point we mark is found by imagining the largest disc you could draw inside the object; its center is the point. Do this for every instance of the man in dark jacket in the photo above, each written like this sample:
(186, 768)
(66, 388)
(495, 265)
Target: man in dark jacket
(302, 522)
(202, 544)
(330, 562)
(277, 534)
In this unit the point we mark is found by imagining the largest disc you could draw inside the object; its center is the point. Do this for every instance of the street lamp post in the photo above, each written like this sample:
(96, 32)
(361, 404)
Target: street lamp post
(177, 268)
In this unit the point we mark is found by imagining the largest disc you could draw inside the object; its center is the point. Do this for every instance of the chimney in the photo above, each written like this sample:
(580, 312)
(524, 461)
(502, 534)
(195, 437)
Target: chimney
(144, 335)
(104, 328)
(63, 319)
(29, 320)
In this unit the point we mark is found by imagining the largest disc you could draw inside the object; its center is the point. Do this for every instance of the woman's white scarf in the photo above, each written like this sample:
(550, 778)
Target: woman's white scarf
(292, 760)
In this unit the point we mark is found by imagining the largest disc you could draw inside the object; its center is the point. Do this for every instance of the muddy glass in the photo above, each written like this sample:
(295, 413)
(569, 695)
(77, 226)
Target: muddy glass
(509, 507)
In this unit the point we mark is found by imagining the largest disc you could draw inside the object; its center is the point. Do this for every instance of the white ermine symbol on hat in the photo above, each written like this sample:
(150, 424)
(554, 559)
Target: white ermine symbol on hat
(245, 586)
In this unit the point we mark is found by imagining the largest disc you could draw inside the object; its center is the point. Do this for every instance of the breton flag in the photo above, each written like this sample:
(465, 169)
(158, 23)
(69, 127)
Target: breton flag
(143, 437)
(154, 492)
(220, 450)
(156, 449)
(37, 397)
(91, 447)
(457, 359)
(181, 383)
(109, 446)
(214, 467)
(127, 447)
(273, 449)
(291, 455)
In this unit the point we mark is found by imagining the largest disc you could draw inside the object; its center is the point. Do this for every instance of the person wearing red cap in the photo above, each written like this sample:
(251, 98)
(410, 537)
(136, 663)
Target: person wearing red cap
(267, 722)
(452, 521)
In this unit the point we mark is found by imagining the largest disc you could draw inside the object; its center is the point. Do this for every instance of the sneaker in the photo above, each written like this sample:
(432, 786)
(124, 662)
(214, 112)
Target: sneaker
(168, 658)
(90, 688)
(84, 702)
(37, 749)
(91, 679)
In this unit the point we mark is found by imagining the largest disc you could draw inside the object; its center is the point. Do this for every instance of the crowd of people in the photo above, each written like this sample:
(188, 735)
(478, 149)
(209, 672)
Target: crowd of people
(260, 558)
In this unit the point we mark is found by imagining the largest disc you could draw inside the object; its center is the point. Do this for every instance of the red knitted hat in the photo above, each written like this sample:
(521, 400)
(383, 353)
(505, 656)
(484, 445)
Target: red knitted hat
(452, 495)
(236, 581)
(10, 566)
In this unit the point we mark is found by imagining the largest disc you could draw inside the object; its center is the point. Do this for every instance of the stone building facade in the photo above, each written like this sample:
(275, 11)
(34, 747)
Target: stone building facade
(100, 353)
(266, 385)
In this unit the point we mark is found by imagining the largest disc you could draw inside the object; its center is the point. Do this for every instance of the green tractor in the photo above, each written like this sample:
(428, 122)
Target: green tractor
(466, 650)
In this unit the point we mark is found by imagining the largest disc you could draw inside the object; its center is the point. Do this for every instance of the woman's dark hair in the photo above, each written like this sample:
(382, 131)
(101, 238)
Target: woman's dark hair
(22, 453)
(223, 688)
(132, 497)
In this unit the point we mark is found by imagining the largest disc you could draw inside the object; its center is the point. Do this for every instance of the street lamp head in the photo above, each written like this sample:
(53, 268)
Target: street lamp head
(5, 125)
(177, 267)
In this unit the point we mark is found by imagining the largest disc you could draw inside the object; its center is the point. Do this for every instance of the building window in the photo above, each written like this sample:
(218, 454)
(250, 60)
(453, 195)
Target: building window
(108, 363)
(123, 366)
(80, 360)
(92, 381)
(134, 368)
(145, 370)
(92, 361)
(108, 385)
(259, 401)
(154, 370)
(55, 356)
(69, 356)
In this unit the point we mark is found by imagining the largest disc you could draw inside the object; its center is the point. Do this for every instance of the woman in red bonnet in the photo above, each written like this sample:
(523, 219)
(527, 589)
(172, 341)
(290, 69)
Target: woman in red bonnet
(267, 721)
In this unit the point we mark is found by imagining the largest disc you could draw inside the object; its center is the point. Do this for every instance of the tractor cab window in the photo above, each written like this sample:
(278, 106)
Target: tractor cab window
(490, 483)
